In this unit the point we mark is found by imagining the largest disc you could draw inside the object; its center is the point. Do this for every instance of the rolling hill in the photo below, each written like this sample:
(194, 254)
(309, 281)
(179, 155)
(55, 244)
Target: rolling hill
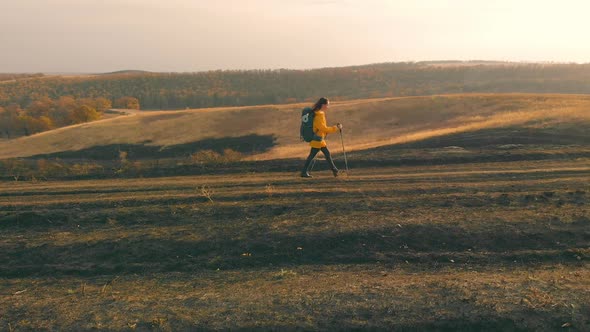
(271, 131)
(460, 213)
(226, 88)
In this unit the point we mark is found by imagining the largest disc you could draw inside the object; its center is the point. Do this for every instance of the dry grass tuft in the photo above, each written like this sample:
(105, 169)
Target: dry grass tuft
(207, 192)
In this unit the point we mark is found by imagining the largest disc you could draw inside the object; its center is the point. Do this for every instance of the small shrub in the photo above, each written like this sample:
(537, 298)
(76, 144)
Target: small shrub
(212, 157)
(85, 169)
(207, 193)
(230, 156)
(15, 168)
(47, 169)
(126, 166)
(283, 274)
(123, 158)
(206, 157)
(269, 189)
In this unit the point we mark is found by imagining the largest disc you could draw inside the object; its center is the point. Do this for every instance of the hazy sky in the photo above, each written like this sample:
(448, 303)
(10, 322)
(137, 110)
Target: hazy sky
(196, 35)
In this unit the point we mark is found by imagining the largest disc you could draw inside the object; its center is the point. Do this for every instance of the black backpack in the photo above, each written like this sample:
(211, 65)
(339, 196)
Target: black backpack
(306, 131)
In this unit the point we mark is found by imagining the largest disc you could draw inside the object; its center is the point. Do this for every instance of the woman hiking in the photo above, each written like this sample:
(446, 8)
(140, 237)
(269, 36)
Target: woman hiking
(320, 129)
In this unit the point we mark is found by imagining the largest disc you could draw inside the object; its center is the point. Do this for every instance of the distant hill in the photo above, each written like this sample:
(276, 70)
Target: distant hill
(126, 72)
(13, 77)
(256, 87)
(272, 131)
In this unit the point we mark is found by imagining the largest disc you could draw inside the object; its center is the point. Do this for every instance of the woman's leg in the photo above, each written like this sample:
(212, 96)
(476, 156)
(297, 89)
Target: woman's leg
(312, 153)
(328, 156)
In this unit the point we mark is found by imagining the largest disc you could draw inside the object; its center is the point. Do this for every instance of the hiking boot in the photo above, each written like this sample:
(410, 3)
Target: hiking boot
(306, 175)
(335, 172)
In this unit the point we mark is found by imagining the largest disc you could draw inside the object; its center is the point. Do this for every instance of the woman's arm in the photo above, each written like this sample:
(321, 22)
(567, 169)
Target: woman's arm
(321, 124)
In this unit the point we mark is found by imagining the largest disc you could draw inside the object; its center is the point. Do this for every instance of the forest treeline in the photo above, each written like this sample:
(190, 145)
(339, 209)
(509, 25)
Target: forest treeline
(12, 77)
(44, 113)
(254, 87)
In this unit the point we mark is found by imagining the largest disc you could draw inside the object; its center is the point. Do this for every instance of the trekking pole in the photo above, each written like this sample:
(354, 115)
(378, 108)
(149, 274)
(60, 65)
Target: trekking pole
(344, 151)
(312, 164)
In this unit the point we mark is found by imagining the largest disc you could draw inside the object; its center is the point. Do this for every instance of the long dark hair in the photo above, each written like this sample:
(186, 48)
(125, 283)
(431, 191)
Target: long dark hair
(318, 105)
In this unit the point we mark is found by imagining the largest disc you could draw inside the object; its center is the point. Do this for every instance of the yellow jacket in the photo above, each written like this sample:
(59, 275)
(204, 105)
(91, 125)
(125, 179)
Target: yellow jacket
(321, 129)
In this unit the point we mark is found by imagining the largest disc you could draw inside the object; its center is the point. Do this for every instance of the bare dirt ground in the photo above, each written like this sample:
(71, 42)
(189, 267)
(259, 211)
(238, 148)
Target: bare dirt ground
(472, 246)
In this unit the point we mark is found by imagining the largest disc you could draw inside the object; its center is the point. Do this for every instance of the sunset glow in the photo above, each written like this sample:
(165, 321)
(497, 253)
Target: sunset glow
(185, 35)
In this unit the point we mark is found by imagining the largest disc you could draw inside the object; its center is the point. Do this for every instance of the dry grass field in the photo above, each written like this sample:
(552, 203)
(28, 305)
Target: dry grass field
(368, 123)
(459, 213)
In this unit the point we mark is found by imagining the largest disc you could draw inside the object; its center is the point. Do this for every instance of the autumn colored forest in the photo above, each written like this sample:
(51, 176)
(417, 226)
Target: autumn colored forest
(34, 103)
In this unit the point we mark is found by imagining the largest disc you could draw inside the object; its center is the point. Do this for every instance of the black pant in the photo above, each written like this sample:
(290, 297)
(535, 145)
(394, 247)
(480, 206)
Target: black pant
(313, 153)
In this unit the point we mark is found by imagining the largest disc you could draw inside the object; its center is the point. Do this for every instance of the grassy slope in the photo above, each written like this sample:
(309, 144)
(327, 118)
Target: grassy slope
(368, 123)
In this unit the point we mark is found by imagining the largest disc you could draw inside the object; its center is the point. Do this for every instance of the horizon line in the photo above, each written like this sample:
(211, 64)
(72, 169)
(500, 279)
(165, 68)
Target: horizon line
(476, 61)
